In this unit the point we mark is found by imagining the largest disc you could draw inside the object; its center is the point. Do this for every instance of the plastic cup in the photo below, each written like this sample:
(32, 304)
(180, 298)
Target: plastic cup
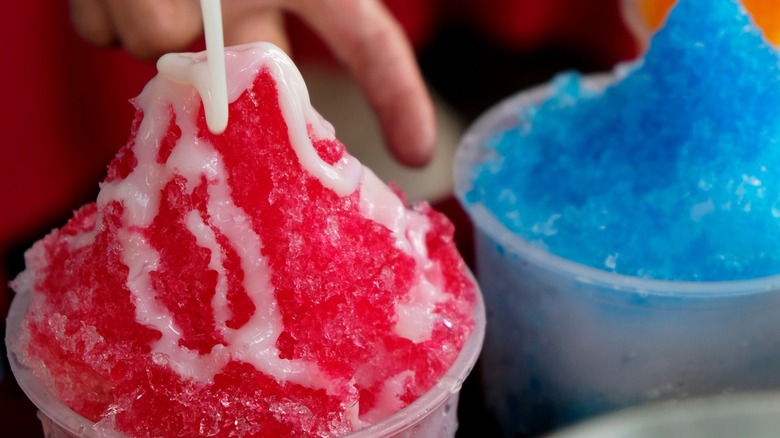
(434, 414)
(565, 341)
(755, 415)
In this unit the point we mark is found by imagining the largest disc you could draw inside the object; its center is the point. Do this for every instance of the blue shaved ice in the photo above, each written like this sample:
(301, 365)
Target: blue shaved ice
(672, 172)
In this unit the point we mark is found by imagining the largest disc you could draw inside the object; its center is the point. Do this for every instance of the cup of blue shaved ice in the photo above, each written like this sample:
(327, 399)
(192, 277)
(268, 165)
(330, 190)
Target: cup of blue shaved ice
(628, 227)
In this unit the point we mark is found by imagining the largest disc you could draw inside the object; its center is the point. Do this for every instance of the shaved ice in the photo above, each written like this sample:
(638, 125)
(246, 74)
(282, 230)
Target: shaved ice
(260, 282)
(670, 172)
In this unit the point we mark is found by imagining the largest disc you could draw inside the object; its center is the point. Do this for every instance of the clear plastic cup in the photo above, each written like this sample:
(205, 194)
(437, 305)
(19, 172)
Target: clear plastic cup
(566, 342)
(754, 415)
(434, 414)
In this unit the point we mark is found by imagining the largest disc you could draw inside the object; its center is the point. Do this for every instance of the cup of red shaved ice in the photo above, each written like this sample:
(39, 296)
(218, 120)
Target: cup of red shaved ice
(257, 282)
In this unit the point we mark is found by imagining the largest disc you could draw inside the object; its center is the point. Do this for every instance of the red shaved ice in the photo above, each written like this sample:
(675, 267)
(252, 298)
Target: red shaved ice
(259, 282)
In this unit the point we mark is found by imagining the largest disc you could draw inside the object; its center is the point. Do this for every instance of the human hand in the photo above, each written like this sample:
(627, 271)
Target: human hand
(361, 33)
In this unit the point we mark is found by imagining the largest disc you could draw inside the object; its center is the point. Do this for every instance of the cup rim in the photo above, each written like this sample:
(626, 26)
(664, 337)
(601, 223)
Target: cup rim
(504, 115)
(712, 410)
(449, 384)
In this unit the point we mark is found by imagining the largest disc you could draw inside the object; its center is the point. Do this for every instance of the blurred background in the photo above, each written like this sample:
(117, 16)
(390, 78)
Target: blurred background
(65, 112)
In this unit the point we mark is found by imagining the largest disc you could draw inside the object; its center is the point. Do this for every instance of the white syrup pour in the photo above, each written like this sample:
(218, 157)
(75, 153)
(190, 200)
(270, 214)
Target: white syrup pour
(215, 100)
(243, 63)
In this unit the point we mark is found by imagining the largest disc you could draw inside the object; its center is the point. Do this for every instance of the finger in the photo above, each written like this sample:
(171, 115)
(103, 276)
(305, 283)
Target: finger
(92, 22)
(365, 37)
(250, 21)
(150, 28)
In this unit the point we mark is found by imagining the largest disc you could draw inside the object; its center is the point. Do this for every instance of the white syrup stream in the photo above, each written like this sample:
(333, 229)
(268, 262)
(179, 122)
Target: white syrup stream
(216, 100)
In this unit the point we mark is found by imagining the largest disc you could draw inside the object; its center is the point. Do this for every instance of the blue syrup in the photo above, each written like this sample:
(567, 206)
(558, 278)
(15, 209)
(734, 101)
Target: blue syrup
(672, 173)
